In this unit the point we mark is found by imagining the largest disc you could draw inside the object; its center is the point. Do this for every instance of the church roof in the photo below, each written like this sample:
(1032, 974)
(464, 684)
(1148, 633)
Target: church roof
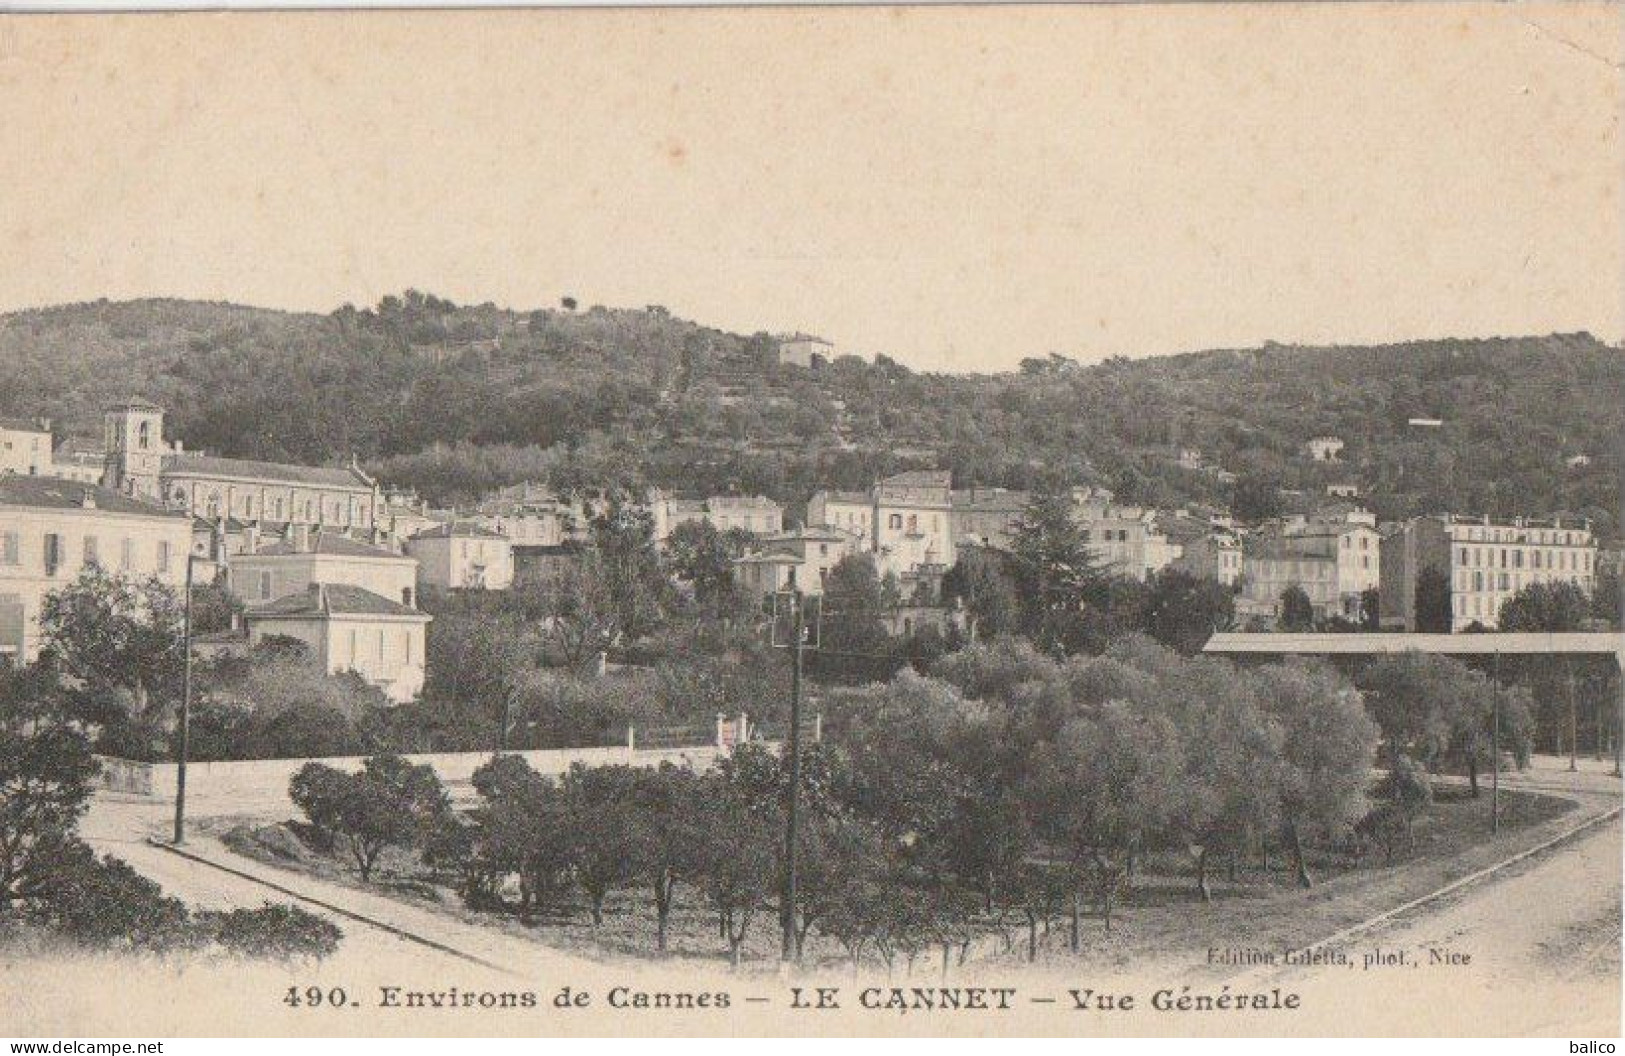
(279, 472)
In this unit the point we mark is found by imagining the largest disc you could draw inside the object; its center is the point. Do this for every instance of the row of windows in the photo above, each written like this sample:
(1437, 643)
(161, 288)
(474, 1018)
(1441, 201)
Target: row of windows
(1535, 536)
(55, 549)
(376, 643)
(1506, 582)
(309, 510)
(895, 522)
(1486, 556)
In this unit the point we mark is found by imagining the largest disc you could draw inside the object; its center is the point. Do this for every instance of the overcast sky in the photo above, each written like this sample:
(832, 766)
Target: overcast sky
(959, 188)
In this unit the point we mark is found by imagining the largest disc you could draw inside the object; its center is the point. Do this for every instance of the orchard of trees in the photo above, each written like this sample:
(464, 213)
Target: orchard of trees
(1002, 796)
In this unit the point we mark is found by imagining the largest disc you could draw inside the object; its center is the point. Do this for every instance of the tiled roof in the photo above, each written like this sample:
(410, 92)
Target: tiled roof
(995, 500)
(25, 425)
(920, 478)
(332, 599)
(812, 533)
(58, 494)
(1274, 548)
(329, 544)
(82, 445)
(231, 525)
(459, 530)
(281, 472)
(769, 559)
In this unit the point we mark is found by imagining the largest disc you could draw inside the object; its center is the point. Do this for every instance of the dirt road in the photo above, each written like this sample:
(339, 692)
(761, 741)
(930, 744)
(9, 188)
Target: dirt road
(1533, 949)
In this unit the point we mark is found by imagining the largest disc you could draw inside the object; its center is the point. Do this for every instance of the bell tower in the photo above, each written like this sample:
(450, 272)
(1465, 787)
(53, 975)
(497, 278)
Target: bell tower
(134, 438)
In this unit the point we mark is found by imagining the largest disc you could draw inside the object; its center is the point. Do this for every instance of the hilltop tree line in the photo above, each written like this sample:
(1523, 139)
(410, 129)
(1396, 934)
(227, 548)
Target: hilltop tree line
(455, 399)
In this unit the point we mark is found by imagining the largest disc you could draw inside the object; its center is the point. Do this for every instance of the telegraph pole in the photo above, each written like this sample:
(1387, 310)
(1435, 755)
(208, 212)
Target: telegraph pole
(183, 747)
(1574, 719)
(787, 896)
(1495, 746)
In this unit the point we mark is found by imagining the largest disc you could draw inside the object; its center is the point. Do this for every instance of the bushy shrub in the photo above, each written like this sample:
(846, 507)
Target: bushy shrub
(390, 803)
(274, 932)
(104, 904)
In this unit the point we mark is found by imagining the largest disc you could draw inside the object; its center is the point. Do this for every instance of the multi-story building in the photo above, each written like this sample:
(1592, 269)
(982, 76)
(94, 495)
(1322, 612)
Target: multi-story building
(291, 566)
(141, 464)
(793, 560)
(50, 529)
(1205, 551)
(349, 628)
(905, 521)
(25, 446)
(462, 555)
(1348, 535)
(1272, 564)
(79, 459)
(755, 514)
(1484, 563)
(532, 515)
(987, 516)
(1124, 539)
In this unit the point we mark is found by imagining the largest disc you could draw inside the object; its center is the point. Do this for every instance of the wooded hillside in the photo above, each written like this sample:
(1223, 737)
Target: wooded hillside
(455, 399)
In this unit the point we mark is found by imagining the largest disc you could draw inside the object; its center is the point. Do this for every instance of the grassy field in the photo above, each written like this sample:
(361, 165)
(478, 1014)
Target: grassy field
(1160, 921)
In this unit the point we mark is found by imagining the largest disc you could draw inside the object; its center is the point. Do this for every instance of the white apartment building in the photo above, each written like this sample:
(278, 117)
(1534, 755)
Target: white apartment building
(1486, 563)
(50, 529)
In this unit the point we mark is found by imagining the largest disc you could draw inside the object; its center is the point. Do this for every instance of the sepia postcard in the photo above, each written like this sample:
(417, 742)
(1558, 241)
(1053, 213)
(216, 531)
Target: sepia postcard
(1073, 520)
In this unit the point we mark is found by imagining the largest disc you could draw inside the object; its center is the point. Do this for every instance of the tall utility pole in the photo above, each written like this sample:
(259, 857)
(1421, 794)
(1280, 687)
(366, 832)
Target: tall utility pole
(183, 746)
(787, 895)
(1495, 746)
